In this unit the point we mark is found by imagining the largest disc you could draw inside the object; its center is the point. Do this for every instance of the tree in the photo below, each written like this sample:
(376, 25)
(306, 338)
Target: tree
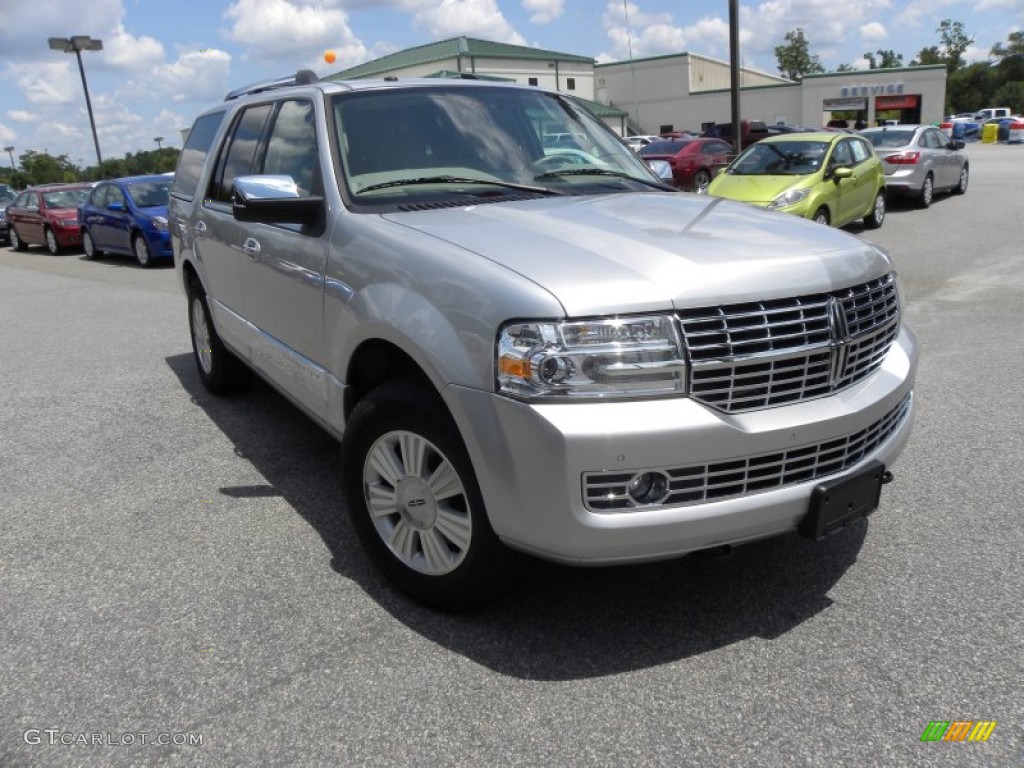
(794, 58)
(926, 56)
(955, 42)
(846, 68)
(971, 88)
(43, 168)
(1010, 95)
(886, 60)
(1015, 47)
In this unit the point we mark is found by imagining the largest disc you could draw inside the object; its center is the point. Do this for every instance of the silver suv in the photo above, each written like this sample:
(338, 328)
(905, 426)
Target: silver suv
(525, 347)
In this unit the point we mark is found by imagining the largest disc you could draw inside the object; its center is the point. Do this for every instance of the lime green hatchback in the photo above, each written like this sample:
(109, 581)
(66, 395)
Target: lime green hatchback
(832, 178)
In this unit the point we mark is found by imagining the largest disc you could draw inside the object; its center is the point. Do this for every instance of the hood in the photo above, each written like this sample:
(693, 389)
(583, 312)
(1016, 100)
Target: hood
(756, 189)
(639, 252)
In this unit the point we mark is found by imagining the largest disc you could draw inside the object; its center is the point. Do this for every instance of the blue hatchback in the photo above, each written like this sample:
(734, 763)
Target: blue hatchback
(127, 216)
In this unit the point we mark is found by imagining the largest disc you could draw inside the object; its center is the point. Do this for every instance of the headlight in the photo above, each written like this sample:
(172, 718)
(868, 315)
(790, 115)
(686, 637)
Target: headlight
(605, 357)
(160, 222)
(792, 197)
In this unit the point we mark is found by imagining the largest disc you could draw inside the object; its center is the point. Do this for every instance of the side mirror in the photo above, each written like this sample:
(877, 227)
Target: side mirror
(661, 169)
(116, 207)
(842, 173)
(273, 199)
(959, 144)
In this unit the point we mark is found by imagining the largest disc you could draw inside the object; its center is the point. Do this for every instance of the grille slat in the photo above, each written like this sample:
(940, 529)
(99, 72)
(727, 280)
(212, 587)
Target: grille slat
(607, 492)
(762, 354)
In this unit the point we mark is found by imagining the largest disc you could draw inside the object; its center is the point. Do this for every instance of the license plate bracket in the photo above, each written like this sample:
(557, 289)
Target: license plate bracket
(836, 503)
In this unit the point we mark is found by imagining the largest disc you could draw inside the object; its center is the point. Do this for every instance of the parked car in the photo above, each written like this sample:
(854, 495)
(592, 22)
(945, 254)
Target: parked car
(920, 160)
(636, 143)
(832, 178)
(693, 161)
(7, 195)
(127, 216)
(47, 215)
(573, 362)
(751, 131)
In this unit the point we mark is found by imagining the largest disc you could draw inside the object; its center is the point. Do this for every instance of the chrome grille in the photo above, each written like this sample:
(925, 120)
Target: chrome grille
(762, 354)
(607, 491)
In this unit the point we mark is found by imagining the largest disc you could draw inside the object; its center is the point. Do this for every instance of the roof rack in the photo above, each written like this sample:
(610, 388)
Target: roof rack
(302, 77)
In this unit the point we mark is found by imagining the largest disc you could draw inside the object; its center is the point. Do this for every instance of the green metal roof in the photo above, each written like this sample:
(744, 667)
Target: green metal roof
(599, 109)
(455, 48)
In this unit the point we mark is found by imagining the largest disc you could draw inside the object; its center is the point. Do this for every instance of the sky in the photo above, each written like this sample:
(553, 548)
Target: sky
(164, 61)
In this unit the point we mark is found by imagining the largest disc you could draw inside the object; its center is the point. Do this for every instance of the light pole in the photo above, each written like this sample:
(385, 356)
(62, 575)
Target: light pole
(158, 139)
(77, 44)
(10, 153)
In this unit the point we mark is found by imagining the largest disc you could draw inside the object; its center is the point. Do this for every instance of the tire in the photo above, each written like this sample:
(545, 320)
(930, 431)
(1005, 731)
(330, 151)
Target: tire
(965, 177)
(221, 372)
(876, 218)
(89, 245)
(927, 194)
(51, 242)
(414, 501)
(701, 179)
(821, 216)
(141, 250)
(16, 242)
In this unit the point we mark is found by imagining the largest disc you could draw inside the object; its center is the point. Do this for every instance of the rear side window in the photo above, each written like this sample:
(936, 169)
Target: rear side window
(193, 156)
(860, 151)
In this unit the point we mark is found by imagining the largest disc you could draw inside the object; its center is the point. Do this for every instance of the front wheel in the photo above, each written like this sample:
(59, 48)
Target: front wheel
(51, 242)
(876, 218)
(141, 250)
(821, 216)
(414, 501)
(221, 372)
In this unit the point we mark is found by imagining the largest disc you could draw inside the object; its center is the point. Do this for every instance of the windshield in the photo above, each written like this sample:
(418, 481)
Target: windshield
(65, 198)
(781, 158)
(147, 194)
(7, 194)
(445, 143)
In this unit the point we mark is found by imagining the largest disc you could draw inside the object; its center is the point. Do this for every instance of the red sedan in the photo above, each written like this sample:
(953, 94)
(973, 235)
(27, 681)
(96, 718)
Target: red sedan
(47, 215)
(693, 160)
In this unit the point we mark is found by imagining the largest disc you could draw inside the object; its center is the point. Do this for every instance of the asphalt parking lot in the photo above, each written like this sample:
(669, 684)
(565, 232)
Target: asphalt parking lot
(179, 588)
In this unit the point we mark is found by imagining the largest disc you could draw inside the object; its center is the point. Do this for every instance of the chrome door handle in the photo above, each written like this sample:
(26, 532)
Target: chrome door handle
(200, 228)
(251, 248)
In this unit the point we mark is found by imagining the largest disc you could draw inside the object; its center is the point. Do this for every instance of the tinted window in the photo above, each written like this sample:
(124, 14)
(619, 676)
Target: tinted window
(663, 147)
(25, 199)
(193, 156)
(239, 153)
(890, 138)
(291, 148)
(147, 194)
(860, 151)
(842, 156)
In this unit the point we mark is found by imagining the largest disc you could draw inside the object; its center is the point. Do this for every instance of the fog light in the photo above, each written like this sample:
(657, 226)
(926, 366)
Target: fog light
(648, 488)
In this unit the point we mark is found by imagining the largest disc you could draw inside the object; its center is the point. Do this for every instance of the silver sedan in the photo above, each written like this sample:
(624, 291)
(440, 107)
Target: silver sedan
(920, 160)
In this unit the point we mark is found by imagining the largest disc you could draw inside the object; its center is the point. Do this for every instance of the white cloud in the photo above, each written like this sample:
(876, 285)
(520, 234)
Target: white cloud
(443, 19)
(544, 11)
(291, 28)
(194, 76)
(48, 83)
(874, 31)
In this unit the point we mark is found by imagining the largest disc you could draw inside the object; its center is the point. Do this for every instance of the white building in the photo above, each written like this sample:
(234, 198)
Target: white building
(677, 92)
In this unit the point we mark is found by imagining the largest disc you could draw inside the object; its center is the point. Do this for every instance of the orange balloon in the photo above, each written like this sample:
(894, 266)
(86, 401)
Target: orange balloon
(329, 57)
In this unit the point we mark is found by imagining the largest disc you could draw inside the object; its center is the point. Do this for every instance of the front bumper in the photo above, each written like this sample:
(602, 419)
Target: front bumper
(531, 461)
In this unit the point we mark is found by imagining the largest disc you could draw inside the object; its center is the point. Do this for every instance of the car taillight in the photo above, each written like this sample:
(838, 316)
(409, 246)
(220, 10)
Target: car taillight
(904, 158)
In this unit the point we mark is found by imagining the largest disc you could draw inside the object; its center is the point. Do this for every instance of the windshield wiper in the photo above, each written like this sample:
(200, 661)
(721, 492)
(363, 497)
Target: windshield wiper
(461, 180)
(603, 172)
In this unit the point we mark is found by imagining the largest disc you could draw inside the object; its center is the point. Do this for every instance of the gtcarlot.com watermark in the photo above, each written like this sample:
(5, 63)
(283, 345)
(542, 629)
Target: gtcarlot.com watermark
(55, 736)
